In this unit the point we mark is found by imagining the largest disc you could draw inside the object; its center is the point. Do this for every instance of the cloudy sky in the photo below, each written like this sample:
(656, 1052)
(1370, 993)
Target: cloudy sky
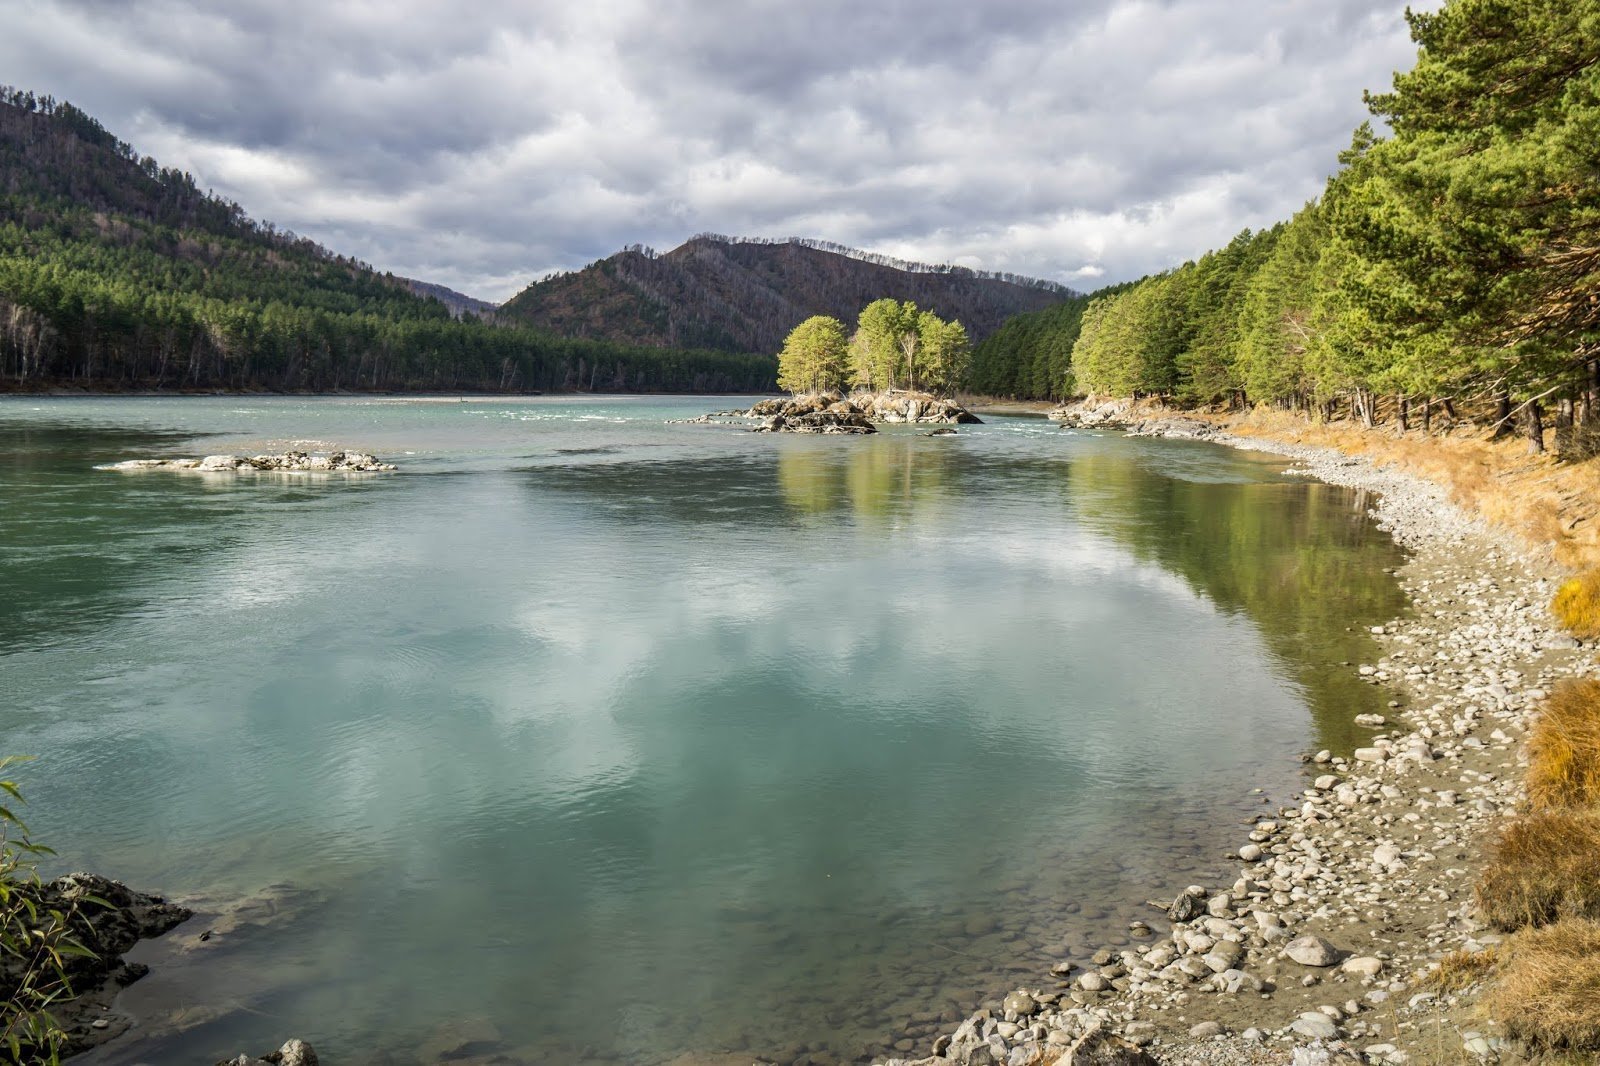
(481, 144)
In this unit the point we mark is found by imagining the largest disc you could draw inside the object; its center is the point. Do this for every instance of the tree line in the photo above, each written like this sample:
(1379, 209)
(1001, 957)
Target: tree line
(1454, 259)
(894, 345)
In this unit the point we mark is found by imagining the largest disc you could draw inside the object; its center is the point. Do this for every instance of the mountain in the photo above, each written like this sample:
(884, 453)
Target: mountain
(743, 295)
(118, 273)
(460, 304)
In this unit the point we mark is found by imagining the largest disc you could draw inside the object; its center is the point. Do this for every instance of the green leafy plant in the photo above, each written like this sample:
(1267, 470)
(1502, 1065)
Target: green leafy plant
(36, 941)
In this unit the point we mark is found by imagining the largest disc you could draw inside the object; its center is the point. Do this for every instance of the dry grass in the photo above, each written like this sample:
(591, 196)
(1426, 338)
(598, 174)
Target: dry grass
(1550, 504)
(1548, 993)
(1545, 866)
(1577, 604)
(1460, 970)
(1564, 749)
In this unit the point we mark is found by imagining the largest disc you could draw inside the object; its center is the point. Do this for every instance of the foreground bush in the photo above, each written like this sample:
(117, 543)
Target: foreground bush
(1577, 605)
(1564, 749)
(36, 943)
(1545, 866)
(1548, 993)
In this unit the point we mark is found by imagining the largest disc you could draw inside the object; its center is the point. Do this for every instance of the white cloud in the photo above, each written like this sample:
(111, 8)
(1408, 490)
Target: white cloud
(483, 145)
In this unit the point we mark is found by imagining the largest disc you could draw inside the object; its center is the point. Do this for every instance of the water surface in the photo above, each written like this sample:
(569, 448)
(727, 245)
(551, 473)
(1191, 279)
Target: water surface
(587, 737)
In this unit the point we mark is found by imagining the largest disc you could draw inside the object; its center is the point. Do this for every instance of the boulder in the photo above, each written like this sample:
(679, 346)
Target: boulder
(1312, 951)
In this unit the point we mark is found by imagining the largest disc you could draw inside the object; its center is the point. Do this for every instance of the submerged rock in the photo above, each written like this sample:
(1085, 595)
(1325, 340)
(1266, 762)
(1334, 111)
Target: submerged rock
(334, 462)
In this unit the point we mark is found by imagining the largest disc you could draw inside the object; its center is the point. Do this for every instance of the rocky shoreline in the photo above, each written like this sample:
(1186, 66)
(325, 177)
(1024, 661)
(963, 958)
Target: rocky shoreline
(1315, 943)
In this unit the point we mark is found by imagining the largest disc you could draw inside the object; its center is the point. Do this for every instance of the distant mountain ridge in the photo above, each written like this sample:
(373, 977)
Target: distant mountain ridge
(746, 294)
(459, 303)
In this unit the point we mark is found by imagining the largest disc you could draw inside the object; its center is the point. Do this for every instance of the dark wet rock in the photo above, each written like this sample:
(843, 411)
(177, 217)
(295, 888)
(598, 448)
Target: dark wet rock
(108, 918)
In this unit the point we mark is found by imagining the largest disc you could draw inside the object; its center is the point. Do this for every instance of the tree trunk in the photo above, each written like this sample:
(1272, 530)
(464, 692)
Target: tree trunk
(1565, 433)
(1402, 418)
(1448, 405)
(1592, 399)
(1502, 416)
(1534, 421)
(1368, 415)
(1427, 415)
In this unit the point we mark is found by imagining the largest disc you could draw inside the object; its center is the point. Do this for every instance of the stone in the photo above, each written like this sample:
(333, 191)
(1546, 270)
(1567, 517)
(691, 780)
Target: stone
(1099, 1048)
(1312, 951)
(1250, 852)
(1186, 908)
(1205, 1030)
(1093, 982)
(1374, 755)
(1363, 966)
(1385, 855)
(1315, 1025)
(1019, 1003)
(296, 1052)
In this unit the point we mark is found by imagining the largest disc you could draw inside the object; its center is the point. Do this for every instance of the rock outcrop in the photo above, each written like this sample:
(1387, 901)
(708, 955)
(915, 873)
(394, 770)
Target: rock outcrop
(830, 412)
(300, 462)
(108, 918)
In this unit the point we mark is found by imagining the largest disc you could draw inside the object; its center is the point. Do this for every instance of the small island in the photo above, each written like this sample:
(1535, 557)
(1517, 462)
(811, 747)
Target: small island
(902, 362)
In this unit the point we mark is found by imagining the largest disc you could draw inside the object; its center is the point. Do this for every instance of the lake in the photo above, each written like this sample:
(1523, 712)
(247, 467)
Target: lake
(588, 737)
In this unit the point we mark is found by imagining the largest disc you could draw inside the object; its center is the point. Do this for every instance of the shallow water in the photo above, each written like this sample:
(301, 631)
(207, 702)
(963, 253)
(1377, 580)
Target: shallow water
(587, 737)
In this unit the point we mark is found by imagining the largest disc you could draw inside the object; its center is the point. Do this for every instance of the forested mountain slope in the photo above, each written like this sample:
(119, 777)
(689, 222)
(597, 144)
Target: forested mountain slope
(746, 295)
(118, 273)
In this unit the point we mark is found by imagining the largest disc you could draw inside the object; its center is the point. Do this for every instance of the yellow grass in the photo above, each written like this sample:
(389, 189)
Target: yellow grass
(1564, 748)
(1548, 992)
(1545, 866)
(1577, 604)
(1460, 970)
(1550, 504)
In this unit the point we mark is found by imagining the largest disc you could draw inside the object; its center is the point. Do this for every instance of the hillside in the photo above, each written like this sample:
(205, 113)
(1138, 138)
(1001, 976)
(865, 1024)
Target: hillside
(118, 273)
(742, 295)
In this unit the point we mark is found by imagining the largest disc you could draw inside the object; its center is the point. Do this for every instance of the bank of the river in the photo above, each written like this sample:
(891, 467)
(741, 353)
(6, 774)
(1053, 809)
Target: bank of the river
(1314, 944)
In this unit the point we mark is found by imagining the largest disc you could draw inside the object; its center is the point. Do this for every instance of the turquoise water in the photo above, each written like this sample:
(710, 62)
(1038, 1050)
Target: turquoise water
(587, 737)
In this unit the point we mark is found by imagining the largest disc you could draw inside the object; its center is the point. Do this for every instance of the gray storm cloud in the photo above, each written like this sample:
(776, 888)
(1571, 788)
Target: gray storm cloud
(481, 145)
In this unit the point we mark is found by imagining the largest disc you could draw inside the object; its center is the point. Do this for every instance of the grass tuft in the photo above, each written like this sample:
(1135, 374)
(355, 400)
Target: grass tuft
(1564, 749)
(1577, 605)
(1545, 866)
(1462, 969)
(1548, 992)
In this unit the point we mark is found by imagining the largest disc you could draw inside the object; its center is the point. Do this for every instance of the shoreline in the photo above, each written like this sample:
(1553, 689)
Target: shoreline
(1378, 863)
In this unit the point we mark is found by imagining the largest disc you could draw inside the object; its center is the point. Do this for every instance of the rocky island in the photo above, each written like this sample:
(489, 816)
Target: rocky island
(342, 462)
(830, 412)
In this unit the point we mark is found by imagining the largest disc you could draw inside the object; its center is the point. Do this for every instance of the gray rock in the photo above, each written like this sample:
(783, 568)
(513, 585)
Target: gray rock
(1019, 1003)
(295, 1052)
(1186, 908)
(1315, 1025)
(1312, 951)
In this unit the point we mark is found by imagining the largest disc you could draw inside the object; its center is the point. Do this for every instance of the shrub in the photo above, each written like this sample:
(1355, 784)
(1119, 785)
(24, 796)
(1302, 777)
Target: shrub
(1577, 604)
(1545, 866)
(1564, 748)
(1548, 993)
(35, 944)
